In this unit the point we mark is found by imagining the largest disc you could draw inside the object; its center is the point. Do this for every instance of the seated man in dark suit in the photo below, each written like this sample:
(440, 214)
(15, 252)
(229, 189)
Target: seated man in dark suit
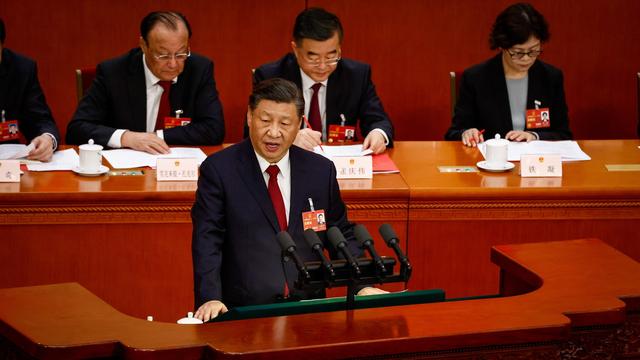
(345, 91)
(251, 191)
(21, 99)
(131, 95)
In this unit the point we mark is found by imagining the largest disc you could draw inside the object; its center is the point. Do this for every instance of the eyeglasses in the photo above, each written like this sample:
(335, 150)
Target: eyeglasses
(517, 55)
(316, 60)
(168, 57)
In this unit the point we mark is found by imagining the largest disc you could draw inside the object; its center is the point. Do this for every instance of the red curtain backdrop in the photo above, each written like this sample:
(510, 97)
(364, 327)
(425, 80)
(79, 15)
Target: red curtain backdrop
(411, 44)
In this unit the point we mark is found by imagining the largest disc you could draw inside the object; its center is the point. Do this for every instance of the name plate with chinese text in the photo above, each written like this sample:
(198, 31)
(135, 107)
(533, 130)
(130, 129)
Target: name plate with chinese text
(353, 167)
(547, 165)
(172, 169)
(10, 171)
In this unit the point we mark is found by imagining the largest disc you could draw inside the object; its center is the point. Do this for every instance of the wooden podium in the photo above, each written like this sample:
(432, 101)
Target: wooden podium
(561, 299)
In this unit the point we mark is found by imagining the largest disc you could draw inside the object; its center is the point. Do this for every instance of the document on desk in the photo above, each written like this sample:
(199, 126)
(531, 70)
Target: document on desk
(341, 150)
(60, 161)
(14, 151)
(127, 158)
(568, 149)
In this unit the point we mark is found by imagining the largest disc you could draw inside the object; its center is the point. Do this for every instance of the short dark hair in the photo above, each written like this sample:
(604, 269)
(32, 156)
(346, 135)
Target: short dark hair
(170, 19)
(516, 24)
(3, 34)
(278, 90)
(316, 24)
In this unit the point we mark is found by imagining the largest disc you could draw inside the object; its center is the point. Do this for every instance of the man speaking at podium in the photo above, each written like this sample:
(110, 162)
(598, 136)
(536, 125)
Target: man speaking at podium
(250, 192)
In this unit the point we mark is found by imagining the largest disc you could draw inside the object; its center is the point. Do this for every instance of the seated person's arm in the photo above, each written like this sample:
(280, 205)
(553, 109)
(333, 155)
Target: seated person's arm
(147, 142)
(308, 139)
(374, 121)
(463, 123)
(43, 148)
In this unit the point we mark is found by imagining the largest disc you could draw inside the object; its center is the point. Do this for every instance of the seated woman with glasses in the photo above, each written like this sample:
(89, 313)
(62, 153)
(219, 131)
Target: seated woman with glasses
(510, 93)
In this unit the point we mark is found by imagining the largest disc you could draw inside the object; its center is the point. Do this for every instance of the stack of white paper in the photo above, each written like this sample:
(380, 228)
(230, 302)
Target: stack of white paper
(61, 160)
(127, 158)
(569, 150)
(14, 151)
(341, 150)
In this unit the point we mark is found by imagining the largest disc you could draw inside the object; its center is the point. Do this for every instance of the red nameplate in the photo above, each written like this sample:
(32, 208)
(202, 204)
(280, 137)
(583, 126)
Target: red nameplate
(9, 130)
(341, 134)
(538, 118)
(170, 122)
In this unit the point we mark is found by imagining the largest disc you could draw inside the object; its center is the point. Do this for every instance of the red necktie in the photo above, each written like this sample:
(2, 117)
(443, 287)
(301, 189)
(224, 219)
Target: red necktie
(315, 119)
(276, 196)
(163, 109)
(278, 206)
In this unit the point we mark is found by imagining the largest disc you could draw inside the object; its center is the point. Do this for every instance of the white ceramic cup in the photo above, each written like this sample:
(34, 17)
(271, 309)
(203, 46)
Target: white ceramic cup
(90, 157)
(497, 150)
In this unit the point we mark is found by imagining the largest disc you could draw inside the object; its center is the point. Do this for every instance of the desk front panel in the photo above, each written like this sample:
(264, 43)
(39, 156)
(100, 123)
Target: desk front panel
(456, 217)
(128, 238)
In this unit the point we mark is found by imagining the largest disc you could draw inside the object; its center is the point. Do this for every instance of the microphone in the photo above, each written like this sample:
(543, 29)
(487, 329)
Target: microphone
(390, 237)
(364, 238)
(289, 250)
(340, 244)
(315, 243)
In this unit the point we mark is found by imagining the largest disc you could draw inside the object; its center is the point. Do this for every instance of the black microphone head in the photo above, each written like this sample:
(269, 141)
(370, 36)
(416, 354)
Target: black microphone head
(312, 239)
(335, 237)
(388, 234)
(285, 241)
(362, 234)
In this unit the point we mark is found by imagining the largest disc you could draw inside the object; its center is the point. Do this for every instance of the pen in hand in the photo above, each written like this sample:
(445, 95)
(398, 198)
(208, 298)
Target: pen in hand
(473, 143)
(306, 121)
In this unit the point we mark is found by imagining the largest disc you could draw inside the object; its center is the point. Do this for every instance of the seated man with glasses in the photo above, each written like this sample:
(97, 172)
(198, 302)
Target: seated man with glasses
(336, 90)
(512, 92)
(131, 96)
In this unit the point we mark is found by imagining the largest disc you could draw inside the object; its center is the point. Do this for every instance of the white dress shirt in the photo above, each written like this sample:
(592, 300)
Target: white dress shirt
(154, 94)
(284, 178)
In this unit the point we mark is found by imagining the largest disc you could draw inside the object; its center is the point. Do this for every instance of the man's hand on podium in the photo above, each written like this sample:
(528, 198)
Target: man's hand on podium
(371, 291)
(210, 310)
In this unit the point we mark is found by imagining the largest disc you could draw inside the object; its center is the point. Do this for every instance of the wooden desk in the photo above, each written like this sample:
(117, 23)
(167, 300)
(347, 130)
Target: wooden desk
(128, 238)
(454, 218)
(582, 297)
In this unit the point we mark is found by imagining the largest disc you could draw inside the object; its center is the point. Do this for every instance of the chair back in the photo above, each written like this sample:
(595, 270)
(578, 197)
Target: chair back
(454, 84)
(84, 78)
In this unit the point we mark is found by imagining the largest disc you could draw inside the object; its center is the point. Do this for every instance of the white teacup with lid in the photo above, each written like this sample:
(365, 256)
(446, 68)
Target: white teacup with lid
(90, 157)
(497, 150)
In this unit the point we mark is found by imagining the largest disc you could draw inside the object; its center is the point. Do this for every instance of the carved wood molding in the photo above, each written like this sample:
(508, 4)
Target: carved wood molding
(538, 210)
(161, 213)
(378, 211)
(522, 204)
(77, 214)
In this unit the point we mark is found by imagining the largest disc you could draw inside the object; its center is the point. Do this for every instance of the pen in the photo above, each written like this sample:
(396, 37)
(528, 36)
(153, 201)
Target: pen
(479, 133)
(309, 126)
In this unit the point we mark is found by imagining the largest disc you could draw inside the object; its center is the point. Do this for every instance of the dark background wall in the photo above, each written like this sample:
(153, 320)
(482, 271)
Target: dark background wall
(411, 45)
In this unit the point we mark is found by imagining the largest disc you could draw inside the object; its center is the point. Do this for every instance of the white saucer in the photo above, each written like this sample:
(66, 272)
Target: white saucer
(493, 168)
(103, 170)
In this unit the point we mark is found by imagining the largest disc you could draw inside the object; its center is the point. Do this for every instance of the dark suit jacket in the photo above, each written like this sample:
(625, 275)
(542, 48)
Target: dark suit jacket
(117, 99)
(483, 101)
(21, 96)
(350, 91)
(236, 257)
